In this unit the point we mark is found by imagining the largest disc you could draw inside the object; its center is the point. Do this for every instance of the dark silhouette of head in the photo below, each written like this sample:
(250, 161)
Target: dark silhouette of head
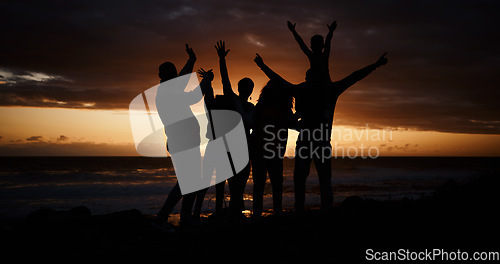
(275, 95)
(245, 88)
(312, 76)
(167, 71)
(317, 43)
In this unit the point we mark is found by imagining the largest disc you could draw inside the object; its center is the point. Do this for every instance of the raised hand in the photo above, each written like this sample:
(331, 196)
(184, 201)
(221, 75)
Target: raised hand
(382, 60)
(221, 49)
(190, 52)
(332, 27)
(258, 60)
(291, 26)
(208, 75)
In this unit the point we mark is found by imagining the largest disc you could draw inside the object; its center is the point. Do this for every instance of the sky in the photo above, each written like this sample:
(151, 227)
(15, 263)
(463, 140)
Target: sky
(69, 69)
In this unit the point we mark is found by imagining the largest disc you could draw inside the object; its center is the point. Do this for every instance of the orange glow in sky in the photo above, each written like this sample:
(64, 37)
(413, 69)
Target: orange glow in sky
(68, 92)
(54, 131)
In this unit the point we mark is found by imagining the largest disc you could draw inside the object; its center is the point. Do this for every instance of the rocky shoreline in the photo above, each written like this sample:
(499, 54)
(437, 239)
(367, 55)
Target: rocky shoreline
(450, 219)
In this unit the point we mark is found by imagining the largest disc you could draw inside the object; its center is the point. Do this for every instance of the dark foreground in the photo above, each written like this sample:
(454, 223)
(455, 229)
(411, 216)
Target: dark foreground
(447, 220)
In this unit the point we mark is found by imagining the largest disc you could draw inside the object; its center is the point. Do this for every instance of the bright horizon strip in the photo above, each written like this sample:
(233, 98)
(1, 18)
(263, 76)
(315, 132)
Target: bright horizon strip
(107, 133)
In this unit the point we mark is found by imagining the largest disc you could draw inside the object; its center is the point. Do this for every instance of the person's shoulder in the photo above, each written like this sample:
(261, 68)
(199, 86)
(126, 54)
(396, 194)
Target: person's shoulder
(222, 101)
(249, 106)
(337, 87)
(300, 86)
(335, 84)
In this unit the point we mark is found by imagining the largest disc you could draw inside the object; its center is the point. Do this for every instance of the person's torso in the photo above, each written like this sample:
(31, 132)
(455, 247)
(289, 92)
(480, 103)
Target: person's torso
(315, 106)
(223, 102)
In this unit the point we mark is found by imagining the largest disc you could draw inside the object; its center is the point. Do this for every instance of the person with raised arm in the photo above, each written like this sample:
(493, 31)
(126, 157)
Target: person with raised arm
(315, 117)
(240, 104)
(273, 116)
(180, 135)
(208, 92)
(318, 56)
(319, 52)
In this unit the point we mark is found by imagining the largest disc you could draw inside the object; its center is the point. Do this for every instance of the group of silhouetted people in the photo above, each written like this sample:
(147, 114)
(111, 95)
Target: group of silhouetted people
(266, 126)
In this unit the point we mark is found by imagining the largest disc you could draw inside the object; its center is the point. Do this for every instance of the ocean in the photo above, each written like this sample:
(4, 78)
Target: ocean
(110, 184)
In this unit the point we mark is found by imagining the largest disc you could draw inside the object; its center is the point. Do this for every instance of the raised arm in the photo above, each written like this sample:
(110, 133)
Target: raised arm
(208, 92)
(299, 40)
(206, 86)
(358, 75)
(269, 73)
(226, 84)
(188, 68)
(328, 40)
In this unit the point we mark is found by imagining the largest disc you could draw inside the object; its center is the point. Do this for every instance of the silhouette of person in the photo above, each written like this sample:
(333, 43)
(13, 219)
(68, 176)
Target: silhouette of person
(269, 139)
(211, 157)
(318, 56)
(182, 131)
(273, 116)
(319, 52)
(314, 117)
(241, 104)
(208, 169)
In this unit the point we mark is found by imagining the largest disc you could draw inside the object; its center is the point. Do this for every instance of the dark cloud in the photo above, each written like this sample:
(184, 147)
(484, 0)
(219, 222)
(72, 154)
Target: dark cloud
(67, 149)
(34, 139)
(63, 95)
(62, 138)
(442, 74)
(406, 148)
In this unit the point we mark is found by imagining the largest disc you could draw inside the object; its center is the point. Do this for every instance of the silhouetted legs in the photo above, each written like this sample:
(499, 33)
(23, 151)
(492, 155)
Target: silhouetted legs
(219, 197)
(186, 208)
(260, 168)
(173, 198)
(324, 169)
(187, 205)
(300, 173)
(259, 174)
(209, 160)
(276, 176)
(305, 152)
(175, 194)
(200, 197)
(237, 185)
